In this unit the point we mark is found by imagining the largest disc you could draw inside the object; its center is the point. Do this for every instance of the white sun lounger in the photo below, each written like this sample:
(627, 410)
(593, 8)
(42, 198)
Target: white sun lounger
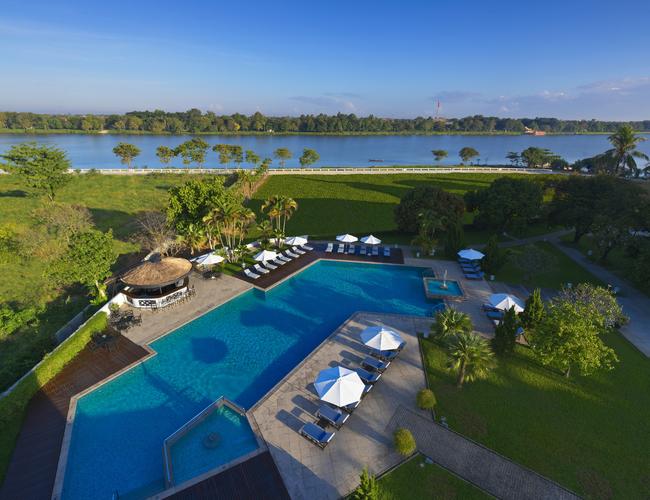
(260, 269)
(251, 274)
(279, 262)
(386, 252)
(352, 249)
(307, 247)
(298, 251)
(269, 265)
(289, 253)
(375, 250)
(341, 249)
(329, 248)
(284, 258)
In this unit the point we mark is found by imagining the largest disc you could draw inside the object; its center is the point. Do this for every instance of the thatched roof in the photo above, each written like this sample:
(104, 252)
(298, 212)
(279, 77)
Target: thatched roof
(157, 272)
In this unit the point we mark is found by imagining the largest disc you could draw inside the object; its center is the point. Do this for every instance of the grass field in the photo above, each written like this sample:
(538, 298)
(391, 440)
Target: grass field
(562, 270)
(417, 480)
(587, 433)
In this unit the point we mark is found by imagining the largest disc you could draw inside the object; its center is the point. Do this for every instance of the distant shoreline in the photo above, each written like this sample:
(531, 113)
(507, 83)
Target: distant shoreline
(271, 134)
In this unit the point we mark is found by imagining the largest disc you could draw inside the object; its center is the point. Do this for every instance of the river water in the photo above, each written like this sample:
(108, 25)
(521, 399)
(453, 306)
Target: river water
(95, 151)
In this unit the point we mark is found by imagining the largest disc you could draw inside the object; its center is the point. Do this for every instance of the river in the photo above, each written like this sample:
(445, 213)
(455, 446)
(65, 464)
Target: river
(95, 151)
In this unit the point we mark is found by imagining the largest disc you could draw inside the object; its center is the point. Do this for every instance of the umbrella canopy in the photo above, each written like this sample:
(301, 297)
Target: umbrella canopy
(470, 254)
(208, 259)
(157, 272)
(381, 338)
(296, 240)
(346, 238)
(339, 386)
(504, 302)
(265, 255)
(370, 240)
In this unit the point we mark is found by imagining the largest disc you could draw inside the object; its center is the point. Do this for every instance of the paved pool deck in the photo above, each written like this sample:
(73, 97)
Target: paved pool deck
(365, 439)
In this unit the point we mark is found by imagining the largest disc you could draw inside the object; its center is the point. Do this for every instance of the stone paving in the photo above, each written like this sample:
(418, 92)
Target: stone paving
(364, 440)
(209, 294)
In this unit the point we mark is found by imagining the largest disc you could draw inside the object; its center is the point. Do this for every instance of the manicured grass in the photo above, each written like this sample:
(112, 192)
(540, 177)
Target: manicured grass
(562, 271)
(417, 480)
(587, 433)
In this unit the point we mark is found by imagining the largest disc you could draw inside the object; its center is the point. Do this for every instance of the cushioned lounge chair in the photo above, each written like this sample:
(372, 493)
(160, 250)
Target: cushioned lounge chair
(260, 269)
(375, 251)
(494, 314)
(384, 355)
(341, 248)
(284, 258)
(386, 252)
(291, 254)
(307, 247)
(332, 416)
(316, 434)
(352, 249)
(375, 364)
(329, 248)
(279, 262)
(251, 274)
(368, 377)
(270, 266)
(298, 251)
(474, 276)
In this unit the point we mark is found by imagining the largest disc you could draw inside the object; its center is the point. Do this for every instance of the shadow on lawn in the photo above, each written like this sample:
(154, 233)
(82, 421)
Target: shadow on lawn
(14, 193)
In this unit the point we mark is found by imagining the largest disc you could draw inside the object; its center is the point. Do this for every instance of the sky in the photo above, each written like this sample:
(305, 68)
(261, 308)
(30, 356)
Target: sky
(567, 59)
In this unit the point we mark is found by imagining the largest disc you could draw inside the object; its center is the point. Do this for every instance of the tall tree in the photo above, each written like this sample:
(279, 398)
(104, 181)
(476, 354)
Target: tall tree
(439, 202)
(505, 334)
(126, 153)
(624, 150)
(467, 153)
(191, 201)
(282, 154)
(165, 154)
(193, 238)
(470, 358)
(534, 310)
(237, 154)
(43, 168)
(309, 157)
(439, 154)
(450, 323)
(223, 150)
(252, 158)
(494, 256)
(514, 158)
(368, 488)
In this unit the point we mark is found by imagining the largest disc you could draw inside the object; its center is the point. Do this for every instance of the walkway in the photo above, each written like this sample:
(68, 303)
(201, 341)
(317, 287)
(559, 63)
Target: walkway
(364, 440)
(636, 305)
(33, 465)
(489, 471)
(257, 478)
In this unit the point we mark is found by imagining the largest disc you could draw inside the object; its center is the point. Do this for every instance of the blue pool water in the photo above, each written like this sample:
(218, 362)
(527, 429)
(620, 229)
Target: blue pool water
(190, 457)
(435, 287)
(239, 350)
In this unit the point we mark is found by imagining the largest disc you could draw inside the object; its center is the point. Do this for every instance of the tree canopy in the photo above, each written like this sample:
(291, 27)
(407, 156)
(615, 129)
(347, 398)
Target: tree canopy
(467, 153)
(439, 203)
(126, 152)
(309, 157)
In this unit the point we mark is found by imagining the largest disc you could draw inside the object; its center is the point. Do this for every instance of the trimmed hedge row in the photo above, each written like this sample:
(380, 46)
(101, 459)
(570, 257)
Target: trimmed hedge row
(14, 405)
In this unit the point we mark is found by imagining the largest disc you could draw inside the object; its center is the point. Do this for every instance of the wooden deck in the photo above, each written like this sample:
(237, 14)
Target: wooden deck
(273, 277)
(255, 479)
(33, 465)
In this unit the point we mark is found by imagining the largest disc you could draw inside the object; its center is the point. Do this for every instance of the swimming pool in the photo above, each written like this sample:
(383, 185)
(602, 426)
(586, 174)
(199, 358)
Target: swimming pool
(239, 350)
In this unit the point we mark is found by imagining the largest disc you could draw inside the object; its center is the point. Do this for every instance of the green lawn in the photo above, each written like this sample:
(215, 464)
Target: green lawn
(417, 480)
(587, 433)
(563, 270)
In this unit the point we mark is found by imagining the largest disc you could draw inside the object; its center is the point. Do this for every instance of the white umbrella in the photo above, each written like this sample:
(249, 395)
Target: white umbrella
(381, 338)
(265, 255)
(346, 238)
(208, 259)
(339, 386)
(470, 254)
(505, 302)
(296, 241)
(370, 240)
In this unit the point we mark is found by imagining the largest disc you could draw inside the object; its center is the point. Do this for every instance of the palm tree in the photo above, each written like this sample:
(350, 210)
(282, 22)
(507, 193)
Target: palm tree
(624, 152)
(288, 207)
(231, 221)
(193, 237)
(449, 323)
(247, 180)
(470, 357)
(272, 208)
(266, 230)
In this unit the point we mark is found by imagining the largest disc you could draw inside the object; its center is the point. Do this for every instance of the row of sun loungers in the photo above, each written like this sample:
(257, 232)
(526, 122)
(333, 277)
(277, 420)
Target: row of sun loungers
(373, 367)
(287, 256)
(471, 269)
(372, 251)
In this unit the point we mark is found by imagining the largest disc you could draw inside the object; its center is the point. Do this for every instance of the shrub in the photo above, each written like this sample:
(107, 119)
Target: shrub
(368, 488)
(404, 442)
(426, 399)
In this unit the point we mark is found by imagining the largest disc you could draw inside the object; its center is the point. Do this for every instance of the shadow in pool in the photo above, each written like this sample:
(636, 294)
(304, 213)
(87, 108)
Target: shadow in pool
(209, 350)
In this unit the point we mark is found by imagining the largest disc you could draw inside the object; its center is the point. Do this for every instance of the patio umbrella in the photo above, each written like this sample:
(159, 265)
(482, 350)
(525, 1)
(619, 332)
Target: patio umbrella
(370, 240)
(505, 302)
(339, 386)
(265, 255)
(470, 254)
(296, 241)
(381, 338)
(208, 259)
(346, 238)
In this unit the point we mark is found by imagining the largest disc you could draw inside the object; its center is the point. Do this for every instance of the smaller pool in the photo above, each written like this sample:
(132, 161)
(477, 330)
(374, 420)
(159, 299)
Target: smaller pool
(222, 437)
(442, 288)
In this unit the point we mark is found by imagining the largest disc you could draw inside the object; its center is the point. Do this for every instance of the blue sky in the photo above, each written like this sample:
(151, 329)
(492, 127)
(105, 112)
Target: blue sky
(569, 59)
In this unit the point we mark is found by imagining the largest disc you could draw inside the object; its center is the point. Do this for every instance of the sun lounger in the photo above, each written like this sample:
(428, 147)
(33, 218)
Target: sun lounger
(270, 266)
(386, 251)
(260, 269)
(307, 247)
(284, 258)
(352, 249)
(279, 262)
(368, 377)
(332, 416)
(384, 355)
(316, 434)
(329, 248)
(488, 307)
(474, 276)
(290, 254)
(375, 251)
(375, 364)
(251, 274)
(298, 251)
(494, 314)
(341, 249)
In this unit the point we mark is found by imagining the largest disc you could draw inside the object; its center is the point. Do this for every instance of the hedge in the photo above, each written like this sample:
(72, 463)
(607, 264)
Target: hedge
(14, 404)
